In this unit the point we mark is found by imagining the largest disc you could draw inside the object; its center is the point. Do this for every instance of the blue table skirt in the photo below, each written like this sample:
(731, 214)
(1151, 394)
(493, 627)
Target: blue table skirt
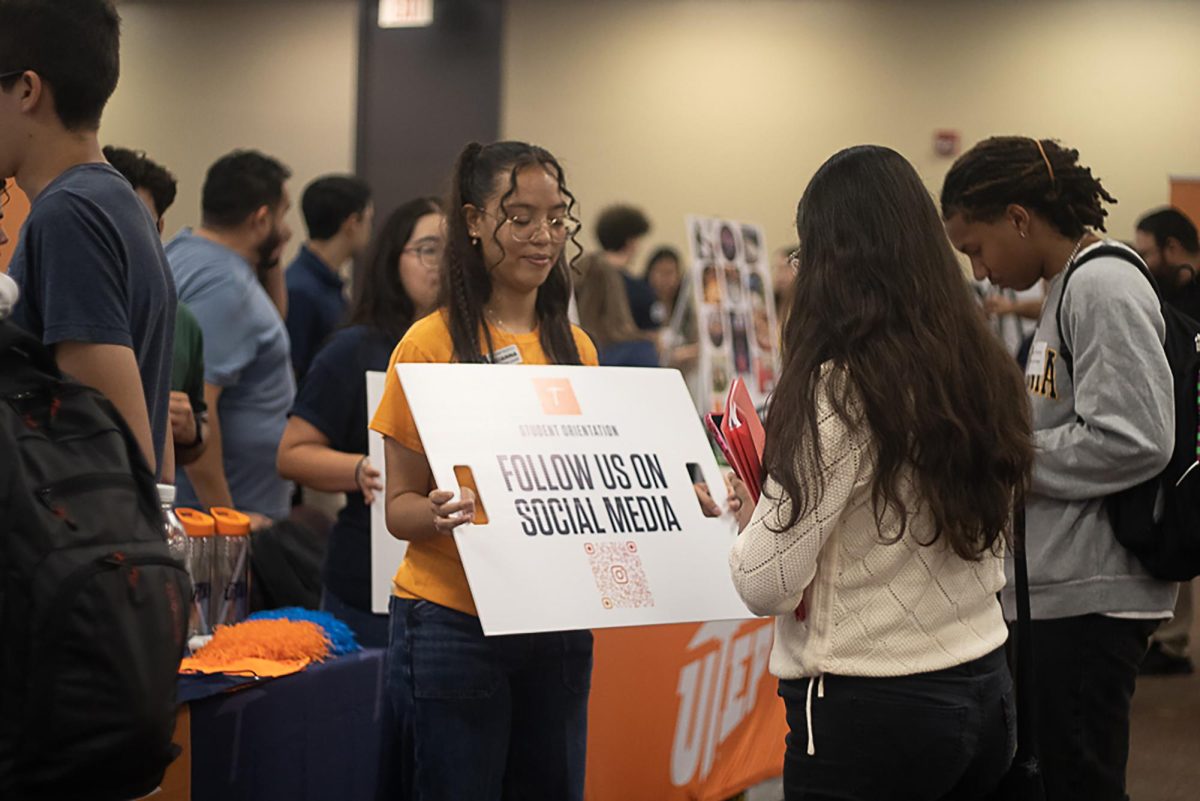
(312, 736)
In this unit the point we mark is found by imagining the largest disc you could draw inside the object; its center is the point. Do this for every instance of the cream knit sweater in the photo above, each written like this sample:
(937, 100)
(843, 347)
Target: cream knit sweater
(873, 608)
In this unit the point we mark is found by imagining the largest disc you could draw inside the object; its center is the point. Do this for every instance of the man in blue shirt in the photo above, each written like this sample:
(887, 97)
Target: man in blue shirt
(248, 382)
(93, 278)
(339, 214)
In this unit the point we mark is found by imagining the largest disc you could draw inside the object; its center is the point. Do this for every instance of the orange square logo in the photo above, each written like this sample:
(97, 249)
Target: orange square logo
(556, 395)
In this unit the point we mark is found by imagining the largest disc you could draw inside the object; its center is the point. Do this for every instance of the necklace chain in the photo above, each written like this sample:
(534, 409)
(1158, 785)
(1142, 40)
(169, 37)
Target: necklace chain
(1075, 252)
(496, 321)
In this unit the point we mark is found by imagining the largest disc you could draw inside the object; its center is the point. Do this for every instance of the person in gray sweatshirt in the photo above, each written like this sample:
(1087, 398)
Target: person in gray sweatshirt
(1023, 210)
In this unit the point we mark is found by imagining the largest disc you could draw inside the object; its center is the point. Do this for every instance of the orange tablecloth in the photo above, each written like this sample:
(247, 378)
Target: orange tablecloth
(683, 712)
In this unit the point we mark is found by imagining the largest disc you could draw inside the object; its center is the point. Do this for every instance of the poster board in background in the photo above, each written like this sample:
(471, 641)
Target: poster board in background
(386, 551)
(592, 519)
(734, 300)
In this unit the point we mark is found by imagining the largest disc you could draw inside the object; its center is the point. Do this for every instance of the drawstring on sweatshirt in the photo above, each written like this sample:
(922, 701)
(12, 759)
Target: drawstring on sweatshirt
(820, 681)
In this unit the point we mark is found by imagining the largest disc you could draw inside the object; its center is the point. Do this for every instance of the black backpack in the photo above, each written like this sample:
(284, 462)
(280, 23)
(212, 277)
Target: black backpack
(93, 609)
(1169, 546)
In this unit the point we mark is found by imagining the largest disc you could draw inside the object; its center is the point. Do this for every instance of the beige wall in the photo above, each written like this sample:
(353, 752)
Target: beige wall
(722, 107)
(727, 108)
(199, 79)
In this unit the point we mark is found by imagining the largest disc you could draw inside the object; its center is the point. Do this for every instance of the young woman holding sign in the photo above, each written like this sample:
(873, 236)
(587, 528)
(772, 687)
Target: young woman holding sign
(895, 441)
(498, 717)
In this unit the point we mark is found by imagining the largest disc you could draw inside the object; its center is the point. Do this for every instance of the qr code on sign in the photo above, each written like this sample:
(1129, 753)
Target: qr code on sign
(620, 577)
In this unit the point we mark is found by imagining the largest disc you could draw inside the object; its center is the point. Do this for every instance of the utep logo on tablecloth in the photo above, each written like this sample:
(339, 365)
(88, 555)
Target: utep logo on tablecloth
(557, 396)
(717, 691)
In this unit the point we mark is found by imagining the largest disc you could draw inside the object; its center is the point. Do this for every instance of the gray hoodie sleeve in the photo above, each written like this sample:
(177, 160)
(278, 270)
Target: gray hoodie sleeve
(1125, 413)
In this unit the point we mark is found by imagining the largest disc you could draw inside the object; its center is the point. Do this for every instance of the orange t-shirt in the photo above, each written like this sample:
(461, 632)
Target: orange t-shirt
(432, 569)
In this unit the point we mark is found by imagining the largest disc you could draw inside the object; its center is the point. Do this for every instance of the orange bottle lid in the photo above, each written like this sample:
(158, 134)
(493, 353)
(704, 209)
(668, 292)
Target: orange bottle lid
(195, 523)
(230, 522)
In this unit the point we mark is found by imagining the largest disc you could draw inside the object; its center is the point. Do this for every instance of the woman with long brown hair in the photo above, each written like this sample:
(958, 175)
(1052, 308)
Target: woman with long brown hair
(895, 441)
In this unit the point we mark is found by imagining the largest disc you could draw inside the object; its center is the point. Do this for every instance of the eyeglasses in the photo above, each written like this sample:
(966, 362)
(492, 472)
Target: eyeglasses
(8, 76)
(429, 254)
(523, 228)
(793, 260)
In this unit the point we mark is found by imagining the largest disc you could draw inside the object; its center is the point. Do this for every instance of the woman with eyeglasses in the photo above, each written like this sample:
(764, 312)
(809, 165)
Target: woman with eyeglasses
(325, 443)
(497, 717)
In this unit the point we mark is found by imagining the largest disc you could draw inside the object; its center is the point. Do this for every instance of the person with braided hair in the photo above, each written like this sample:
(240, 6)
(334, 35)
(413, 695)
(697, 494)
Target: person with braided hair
(498, 717)
(1023, 210)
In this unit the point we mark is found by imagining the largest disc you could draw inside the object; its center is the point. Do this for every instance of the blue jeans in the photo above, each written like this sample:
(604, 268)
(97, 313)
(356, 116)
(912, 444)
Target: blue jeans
(369, 629)
(487, 718)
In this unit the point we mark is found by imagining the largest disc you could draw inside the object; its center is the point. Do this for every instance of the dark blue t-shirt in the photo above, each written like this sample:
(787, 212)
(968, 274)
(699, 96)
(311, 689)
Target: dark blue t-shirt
(91, 269)
(641, 302)
(316, 307)
(333, 398)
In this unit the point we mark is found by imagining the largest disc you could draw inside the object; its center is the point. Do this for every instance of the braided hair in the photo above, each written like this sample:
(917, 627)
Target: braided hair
(467, 281)
(1039, 174)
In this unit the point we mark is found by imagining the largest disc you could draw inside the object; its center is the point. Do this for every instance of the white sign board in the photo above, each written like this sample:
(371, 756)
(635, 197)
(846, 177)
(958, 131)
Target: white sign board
(386, 551)
(583, 474)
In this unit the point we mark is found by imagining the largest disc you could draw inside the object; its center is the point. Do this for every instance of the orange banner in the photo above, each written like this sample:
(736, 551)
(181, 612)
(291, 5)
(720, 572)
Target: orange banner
(15, 212)
(686, 712)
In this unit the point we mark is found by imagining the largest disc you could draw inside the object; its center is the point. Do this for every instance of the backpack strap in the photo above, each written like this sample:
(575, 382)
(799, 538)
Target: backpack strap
(1114, 251)
(15, 338)
(1028, 749)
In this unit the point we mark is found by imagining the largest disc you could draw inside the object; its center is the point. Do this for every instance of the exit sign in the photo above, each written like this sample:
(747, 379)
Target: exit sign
(405, 13)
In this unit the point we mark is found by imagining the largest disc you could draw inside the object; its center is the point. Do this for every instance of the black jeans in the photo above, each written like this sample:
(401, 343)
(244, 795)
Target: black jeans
(949, 734)
(1086, 670)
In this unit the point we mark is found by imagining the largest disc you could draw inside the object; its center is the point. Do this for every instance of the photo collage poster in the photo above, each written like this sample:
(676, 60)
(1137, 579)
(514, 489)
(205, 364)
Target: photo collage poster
(734, 300)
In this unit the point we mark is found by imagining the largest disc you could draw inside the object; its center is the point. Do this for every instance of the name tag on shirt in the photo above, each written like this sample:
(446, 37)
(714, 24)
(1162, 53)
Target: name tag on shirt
(509, 355)
(1036, 365)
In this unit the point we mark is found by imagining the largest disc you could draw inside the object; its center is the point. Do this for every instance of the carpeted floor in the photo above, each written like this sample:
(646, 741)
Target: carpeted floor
(1164, 748)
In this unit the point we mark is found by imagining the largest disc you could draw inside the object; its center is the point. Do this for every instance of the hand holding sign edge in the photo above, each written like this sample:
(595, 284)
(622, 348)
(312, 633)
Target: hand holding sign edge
(448, 512)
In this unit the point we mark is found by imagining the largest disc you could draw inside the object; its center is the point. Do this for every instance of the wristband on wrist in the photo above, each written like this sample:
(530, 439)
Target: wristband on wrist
(200, 419)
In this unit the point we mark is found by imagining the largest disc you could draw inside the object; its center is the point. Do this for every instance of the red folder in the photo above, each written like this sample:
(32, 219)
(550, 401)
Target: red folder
(746, 437)
(713, 423)
(740, 436)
